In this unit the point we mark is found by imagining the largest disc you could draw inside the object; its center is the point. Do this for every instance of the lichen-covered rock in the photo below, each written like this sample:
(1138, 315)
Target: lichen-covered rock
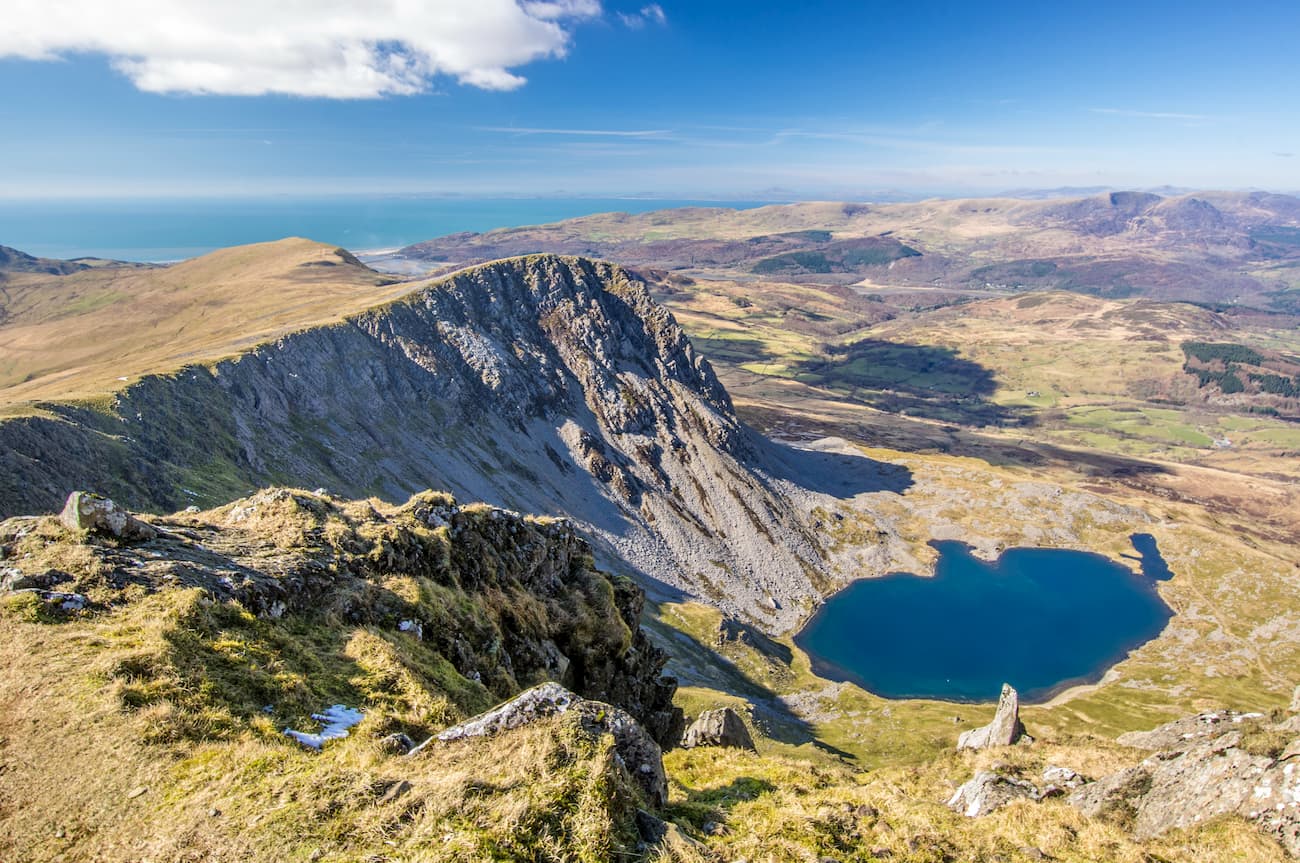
(988, 791)
(1208, 769)
(549, 699)
(1061, 779)
(1113, 795)
(721, 727)
(1004, 730)
(92, 512)
(1182, 733)
(1212, 778)
(636, 749)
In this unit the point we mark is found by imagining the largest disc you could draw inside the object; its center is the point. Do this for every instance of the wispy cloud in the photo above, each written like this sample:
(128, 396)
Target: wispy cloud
(578, 133)
(342, 49)
(908, 142)
(1153, 115)
(1281, 155)
(651, 13)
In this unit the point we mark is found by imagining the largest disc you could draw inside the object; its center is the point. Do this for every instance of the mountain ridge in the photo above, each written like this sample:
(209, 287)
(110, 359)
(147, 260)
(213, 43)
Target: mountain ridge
(541, 384)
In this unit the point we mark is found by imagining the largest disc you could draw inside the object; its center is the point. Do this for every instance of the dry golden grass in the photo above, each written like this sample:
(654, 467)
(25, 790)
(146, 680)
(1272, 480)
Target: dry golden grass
(73, 337)
(135, 735)
(772, 809)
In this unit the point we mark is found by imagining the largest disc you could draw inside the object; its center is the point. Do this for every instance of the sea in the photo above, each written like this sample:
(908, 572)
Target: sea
(165, 230)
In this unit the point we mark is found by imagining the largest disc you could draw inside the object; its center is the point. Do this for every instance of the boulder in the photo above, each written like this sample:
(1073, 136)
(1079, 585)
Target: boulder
(1212, 778)
(549, 699)
(16, 579)
(988, 791)
(721, 727)
(1004, 730)
(92, 512)
(633, 745)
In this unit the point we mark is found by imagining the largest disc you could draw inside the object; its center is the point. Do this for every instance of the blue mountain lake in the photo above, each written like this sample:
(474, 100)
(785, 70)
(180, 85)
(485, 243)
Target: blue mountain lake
(1041, 619)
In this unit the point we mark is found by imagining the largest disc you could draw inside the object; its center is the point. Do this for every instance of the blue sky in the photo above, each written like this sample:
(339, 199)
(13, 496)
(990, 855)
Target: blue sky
(722, 99)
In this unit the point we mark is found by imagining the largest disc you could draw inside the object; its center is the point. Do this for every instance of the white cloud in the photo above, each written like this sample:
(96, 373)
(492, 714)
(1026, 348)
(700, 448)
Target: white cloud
(340, 49)
(652, 13)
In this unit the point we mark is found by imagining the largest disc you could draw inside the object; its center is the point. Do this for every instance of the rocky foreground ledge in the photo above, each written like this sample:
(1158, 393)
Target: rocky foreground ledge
(506, 600)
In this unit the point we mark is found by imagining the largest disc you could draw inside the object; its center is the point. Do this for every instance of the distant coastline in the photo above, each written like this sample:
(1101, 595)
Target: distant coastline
(168, 230)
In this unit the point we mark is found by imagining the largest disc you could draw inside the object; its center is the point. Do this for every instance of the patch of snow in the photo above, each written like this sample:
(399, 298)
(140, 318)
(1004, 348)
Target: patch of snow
(335, 722)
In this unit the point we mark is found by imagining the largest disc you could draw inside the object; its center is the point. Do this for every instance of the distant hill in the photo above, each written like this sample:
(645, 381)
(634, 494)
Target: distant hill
(1212, 247)
(69, 329)
(14, 261)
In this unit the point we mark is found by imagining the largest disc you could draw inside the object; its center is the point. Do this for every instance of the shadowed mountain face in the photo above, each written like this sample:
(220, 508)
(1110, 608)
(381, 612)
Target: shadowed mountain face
(550, 385)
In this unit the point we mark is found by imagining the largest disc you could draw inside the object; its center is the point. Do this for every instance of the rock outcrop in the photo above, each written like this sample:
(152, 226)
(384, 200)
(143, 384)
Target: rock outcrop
(1061, 779)
(549, 699)
(1181, 733)
(988, 791)
(86, 511)
(721, 727)
(540, 384)
(1213, 764)
(638, 752)
(1005, 729)
(519, 601)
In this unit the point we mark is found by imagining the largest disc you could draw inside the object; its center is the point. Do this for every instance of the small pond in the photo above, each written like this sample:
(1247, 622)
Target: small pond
(1040, 619)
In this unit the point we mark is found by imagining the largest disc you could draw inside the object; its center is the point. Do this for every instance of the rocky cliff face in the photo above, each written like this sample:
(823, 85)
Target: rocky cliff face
(541, 384)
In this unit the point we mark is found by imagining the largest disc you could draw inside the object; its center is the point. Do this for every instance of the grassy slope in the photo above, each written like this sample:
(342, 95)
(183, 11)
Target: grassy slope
(74, 336)
(149, 726)
(88, 778)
